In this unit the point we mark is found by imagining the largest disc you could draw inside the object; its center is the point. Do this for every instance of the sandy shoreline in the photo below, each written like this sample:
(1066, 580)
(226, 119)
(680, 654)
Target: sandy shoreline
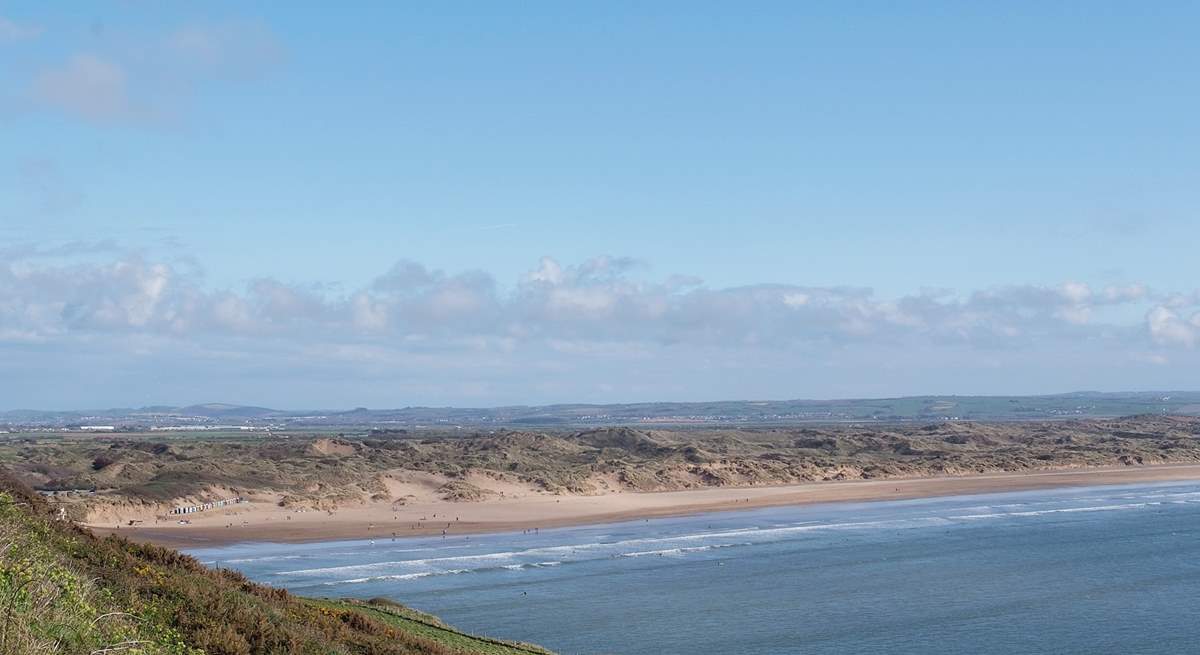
(264, 522)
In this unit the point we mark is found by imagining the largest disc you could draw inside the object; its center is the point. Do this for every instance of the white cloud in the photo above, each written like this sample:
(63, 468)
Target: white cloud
(230, 312)
(1168, 328)
(597, 302)
(1127, 293)
(87, 86)
(797, 299)
(225, 50)
(1076, 293)
(154, 86)
(106, 328)
(12, 31)
(368, 315)
(548, 272)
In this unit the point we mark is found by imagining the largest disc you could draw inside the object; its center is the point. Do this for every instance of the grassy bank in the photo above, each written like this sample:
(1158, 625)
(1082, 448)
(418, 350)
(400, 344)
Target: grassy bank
(63, 590)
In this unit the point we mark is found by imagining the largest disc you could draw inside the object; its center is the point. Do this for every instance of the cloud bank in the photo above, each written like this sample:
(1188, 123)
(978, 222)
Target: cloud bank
(602, 300)
(602, 329)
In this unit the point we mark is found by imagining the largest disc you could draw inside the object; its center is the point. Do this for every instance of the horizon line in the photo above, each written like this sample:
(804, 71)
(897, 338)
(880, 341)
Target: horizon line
(602, 404)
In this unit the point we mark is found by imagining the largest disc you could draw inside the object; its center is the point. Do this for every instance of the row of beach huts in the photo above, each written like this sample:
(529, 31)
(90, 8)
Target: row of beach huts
(192, 509)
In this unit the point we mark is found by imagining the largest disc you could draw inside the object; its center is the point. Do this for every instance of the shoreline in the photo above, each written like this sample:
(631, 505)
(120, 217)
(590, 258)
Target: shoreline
(262, 524)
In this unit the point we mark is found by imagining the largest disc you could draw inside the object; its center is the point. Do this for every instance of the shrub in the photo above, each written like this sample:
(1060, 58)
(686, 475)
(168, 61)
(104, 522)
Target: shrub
(102, 462)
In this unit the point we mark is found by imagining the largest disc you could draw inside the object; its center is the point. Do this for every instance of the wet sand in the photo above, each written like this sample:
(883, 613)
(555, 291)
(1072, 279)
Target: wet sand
(266, 522)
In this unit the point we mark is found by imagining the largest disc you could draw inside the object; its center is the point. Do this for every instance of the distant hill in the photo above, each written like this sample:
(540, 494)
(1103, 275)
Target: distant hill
(222, 410)
(64, 590)
(765, 412)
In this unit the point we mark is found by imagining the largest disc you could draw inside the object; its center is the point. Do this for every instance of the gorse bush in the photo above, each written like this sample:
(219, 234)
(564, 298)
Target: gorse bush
(102, 462)
(48, 606)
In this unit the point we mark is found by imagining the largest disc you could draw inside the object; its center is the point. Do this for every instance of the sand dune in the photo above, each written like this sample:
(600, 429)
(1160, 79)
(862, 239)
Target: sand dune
(425, 513)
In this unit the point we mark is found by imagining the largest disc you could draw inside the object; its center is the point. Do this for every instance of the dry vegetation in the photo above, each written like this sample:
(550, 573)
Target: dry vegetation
(331, 471)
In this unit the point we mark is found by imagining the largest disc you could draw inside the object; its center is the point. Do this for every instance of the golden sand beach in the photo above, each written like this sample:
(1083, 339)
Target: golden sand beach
(265, 521)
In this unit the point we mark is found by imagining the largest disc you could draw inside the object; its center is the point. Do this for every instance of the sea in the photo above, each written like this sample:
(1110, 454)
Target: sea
(1086, 570)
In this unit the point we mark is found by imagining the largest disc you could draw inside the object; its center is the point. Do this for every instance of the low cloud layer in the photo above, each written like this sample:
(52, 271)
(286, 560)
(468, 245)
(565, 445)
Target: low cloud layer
(601, 300)
(603, 329)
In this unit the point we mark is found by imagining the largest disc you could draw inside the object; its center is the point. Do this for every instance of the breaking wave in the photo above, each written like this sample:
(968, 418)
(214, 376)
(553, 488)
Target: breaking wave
(521, 555)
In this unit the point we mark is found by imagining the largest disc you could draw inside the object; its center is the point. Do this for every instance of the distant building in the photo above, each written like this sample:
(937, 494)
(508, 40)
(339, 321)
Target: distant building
(98, 428)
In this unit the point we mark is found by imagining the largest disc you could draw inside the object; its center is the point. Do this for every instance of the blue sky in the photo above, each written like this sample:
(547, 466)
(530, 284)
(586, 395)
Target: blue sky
(482, 204)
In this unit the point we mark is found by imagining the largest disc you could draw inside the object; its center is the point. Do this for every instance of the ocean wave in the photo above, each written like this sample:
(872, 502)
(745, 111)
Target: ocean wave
(264, 558)
(677, 545)
(374, 566)
(666, 551)
(1059, 510)
(398, 576)
(605, 549)
(440, 572)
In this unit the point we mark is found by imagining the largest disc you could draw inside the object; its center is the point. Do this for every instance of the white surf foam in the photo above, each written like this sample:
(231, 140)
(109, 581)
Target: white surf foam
(1060, 510)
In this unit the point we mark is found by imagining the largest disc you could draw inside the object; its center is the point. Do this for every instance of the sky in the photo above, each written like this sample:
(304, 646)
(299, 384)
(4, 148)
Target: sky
(391, 204)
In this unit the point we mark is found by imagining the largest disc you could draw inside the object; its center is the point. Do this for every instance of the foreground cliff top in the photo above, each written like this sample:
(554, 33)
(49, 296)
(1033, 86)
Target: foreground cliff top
(66, 591)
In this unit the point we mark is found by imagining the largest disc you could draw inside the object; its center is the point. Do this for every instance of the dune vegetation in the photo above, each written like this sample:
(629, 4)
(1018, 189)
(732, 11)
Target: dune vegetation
(338, 470)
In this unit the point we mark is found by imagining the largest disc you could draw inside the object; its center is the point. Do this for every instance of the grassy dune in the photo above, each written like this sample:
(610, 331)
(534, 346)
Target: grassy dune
(330, 471)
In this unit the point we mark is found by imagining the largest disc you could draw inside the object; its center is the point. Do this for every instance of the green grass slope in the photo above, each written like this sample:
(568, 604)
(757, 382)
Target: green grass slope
(63, 590)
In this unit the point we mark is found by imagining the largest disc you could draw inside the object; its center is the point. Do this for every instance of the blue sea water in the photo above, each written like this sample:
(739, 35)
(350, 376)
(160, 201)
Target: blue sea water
(1094, 570)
